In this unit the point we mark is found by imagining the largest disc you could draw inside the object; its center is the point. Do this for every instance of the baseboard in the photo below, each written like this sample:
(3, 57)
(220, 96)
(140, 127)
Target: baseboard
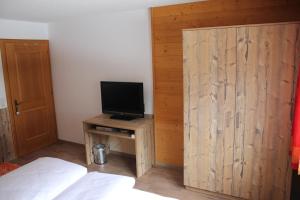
(213, 195)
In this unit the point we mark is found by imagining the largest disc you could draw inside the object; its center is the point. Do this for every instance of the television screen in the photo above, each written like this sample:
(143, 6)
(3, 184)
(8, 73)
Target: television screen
(125, 98)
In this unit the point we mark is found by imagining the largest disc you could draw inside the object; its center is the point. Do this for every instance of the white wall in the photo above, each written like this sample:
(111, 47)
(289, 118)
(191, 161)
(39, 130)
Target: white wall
(84, 51)
(12, 29)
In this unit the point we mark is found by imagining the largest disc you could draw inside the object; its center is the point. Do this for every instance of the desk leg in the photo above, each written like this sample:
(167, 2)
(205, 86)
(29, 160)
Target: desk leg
(144, 150)
(139, 153)
(88, 147)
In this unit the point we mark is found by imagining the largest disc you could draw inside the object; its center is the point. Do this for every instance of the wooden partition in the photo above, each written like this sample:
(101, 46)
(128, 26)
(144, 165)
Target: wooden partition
(167, 25)
(7, 151)
(238, 96)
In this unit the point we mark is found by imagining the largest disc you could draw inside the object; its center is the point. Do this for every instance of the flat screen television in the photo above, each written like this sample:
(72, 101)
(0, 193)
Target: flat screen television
(124, 100)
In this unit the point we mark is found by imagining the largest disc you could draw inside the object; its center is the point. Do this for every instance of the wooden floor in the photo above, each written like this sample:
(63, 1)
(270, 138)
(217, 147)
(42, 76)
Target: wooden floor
(162, 181)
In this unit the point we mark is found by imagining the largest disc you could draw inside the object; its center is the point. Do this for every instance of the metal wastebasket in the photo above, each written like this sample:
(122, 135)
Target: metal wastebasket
(99, 152)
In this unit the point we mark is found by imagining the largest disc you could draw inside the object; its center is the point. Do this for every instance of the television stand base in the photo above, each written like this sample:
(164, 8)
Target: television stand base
(123, 117)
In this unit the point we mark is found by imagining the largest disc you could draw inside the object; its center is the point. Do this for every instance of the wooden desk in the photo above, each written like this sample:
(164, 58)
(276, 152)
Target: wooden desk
(143, 142)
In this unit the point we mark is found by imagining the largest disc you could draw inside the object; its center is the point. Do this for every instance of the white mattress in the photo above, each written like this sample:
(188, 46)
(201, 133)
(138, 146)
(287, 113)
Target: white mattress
(98, 186)
(42, 179)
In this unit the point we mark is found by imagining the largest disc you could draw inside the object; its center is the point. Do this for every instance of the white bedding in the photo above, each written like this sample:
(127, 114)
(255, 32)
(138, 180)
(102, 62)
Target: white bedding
(42, 179)
(52, 178)
(98, 186)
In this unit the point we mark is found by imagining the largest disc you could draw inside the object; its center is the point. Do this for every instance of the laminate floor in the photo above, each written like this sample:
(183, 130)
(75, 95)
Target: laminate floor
(159, 180)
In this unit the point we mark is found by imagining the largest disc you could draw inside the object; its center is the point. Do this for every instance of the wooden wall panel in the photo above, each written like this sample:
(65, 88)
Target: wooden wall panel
(167, 25)
(238, 96)
(7, 151)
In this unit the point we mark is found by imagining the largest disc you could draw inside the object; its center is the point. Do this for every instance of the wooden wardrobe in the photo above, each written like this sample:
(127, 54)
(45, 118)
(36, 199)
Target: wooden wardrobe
(239, 87)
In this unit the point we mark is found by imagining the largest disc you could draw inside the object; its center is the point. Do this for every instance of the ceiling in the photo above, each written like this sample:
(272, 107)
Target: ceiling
(55, 10)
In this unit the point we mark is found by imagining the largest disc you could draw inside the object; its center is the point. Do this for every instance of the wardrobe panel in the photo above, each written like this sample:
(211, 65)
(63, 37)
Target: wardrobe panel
(238, 96)
(209, 104)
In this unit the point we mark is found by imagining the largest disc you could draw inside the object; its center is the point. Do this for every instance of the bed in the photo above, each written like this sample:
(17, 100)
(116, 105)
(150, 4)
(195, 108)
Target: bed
(42, 179)
(98, 186)
(55, 179)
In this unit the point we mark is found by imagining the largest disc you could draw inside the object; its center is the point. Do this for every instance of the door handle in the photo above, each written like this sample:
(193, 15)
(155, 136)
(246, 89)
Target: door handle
(17, 104)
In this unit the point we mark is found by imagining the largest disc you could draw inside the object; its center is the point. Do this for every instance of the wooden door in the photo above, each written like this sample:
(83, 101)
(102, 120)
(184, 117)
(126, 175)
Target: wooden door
(29, 75)
(238, 96)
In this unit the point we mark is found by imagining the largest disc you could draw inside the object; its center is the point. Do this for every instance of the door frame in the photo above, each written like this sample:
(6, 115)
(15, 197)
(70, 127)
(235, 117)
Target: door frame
(10, 105)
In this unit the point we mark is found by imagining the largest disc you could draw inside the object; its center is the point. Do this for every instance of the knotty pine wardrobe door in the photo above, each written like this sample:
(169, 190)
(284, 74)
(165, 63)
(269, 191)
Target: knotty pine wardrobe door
(238, 96)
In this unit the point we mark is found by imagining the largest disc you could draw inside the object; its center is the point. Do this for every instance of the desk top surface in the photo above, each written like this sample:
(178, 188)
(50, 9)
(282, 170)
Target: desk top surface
(105, 120)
